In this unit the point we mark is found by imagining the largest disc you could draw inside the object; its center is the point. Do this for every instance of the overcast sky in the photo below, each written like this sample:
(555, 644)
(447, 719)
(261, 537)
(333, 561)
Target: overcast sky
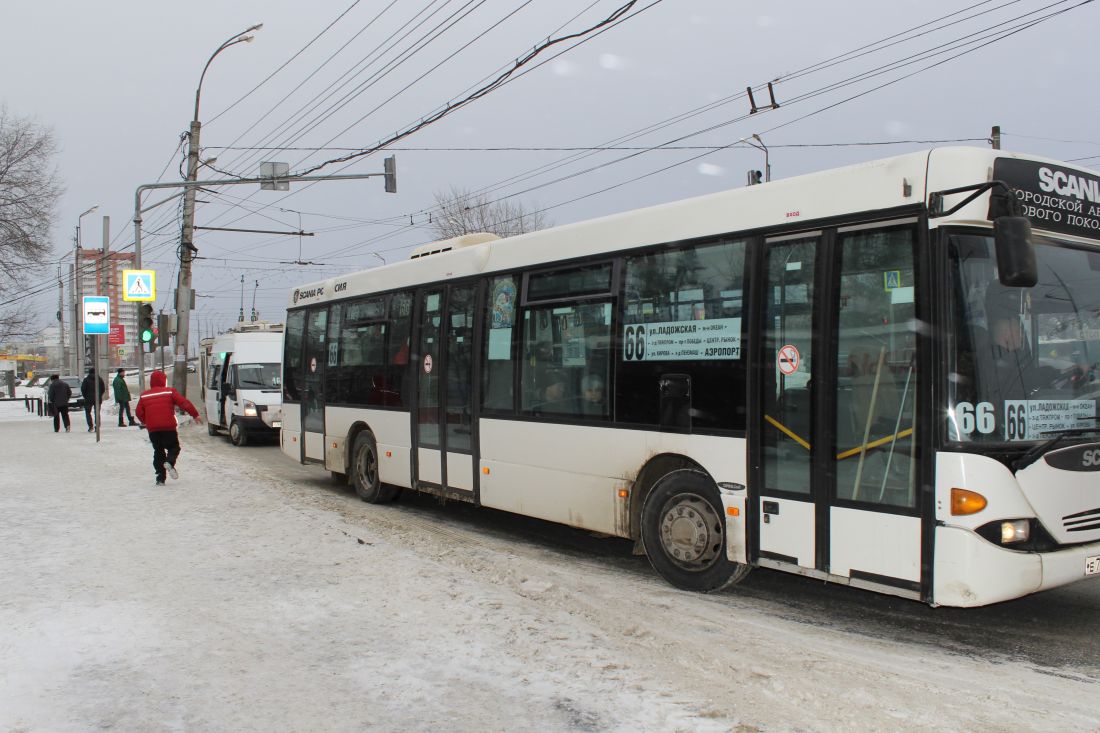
(116, 82)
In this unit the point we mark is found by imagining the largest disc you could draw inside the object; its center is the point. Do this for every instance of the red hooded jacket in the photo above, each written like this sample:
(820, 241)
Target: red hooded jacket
(156, 408)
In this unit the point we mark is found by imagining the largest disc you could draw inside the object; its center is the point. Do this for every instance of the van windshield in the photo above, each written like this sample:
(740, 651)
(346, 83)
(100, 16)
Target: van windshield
(258, 376)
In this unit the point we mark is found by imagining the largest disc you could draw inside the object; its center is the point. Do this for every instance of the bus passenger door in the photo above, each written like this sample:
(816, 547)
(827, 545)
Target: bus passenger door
(838, 482)
(313, 384)
(786, 498)
(444, 425)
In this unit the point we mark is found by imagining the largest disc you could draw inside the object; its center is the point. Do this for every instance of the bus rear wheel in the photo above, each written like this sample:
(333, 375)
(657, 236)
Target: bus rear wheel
(364, 471)
(684, 533)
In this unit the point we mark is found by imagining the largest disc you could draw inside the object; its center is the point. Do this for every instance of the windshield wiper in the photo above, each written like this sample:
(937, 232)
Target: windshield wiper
(1043, 448)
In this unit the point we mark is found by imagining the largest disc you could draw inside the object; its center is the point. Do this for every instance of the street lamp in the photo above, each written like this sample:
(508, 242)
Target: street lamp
(74, 340)
(187, 248)
(767, 165)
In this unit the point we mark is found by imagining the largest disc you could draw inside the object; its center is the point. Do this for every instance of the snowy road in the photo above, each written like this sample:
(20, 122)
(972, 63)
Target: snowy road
(253, 594)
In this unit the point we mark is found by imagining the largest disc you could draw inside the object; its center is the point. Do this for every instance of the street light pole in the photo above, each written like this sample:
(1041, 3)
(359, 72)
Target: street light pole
(75, 340)
(187, 248)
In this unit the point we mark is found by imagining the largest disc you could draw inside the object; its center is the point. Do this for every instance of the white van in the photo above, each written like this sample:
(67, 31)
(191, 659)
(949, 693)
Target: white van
(241, 381)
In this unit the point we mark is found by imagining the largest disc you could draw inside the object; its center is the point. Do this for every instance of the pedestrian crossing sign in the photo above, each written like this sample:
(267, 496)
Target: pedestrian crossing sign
(139, 285)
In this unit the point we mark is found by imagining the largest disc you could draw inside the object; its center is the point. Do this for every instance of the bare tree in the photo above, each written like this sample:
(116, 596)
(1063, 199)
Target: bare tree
(29, 189)
(462, 212)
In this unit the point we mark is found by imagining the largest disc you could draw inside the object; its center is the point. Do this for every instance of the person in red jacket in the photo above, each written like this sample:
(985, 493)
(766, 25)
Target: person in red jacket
(156, 410)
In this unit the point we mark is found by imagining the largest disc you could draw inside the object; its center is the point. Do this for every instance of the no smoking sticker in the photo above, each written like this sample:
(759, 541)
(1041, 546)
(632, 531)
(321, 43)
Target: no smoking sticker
(427, 363)
(787, 359)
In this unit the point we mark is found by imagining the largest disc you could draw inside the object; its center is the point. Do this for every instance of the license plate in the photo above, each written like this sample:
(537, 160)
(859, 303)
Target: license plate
(1092, 565)
(277, 424)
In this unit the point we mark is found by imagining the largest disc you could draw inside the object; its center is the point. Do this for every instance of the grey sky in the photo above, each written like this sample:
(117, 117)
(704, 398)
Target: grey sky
(116, 81)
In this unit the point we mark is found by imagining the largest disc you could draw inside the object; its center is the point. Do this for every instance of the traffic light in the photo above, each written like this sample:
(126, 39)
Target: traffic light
(390, 172)
(164, 328)
(145, 322)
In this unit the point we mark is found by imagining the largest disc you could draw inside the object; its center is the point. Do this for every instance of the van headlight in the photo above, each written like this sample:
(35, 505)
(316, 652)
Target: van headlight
(249, 408)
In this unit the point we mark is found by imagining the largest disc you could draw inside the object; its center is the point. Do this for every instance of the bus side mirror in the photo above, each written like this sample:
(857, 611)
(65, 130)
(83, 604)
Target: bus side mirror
(1015, 253)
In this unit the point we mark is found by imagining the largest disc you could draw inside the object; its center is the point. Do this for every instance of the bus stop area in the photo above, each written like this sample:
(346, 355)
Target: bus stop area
(254, 594)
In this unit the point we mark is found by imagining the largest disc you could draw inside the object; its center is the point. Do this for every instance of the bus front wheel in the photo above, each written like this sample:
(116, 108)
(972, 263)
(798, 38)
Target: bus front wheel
(684, 533)
(364, 471)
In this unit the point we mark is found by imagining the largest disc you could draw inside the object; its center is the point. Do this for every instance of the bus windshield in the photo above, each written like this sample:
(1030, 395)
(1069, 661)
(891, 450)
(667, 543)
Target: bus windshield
(1025, 362)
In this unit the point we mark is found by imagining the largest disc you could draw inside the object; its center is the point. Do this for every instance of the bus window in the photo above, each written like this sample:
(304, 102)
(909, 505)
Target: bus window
(566, 351)
(292, 357)
(683, 314)
(876, 361)
(397, 348)
(496, 385)
(361, 350)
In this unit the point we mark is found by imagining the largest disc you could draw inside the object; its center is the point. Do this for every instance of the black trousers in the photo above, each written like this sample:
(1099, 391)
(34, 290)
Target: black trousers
(124, 407)
(166, 449)
(60, 414)
(88, 410)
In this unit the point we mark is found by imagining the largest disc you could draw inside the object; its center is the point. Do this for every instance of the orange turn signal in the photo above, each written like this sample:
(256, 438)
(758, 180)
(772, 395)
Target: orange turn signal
(389, 454)
(485, 470)
(733, 511)
(623, 493)
(964, 501)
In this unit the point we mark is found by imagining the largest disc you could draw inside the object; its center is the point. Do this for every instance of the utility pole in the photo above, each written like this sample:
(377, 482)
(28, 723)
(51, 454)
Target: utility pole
(61, 318)
(995, 137)
(187, 247)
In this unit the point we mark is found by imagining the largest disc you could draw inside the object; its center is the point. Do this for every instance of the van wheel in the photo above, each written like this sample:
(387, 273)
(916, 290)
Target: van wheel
(237, 434)
(684, 533)
(364, 471)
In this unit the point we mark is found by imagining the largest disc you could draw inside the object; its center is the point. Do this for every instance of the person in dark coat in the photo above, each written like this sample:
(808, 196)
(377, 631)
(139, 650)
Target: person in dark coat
(93, 390)
(58, 396)
(122, 397)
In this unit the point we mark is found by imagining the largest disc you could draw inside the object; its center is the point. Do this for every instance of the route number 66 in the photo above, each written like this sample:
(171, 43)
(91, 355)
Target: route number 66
(970, 418)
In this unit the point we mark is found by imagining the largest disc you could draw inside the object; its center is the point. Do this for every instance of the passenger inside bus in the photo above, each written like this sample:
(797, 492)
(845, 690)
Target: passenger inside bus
(555, 396)
(593, 400)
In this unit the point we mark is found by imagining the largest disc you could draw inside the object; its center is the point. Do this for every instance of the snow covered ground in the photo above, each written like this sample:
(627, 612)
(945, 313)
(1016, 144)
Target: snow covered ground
(254, 595)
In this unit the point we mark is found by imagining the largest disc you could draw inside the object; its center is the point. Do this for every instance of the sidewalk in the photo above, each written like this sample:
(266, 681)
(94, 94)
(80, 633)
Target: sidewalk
(223, 601)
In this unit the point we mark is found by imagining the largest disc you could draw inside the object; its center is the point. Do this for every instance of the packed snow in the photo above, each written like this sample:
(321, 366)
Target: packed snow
(253, 594)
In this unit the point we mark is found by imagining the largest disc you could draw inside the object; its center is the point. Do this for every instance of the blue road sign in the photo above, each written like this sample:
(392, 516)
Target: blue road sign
(97, 315)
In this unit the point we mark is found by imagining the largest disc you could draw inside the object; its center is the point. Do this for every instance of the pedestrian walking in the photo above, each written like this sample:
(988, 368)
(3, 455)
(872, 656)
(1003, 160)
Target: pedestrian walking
(92, 389)
(156, 409)
(122, 398)
(58, 396)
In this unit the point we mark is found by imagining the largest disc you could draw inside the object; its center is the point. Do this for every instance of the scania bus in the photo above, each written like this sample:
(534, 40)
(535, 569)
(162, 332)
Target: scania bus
(884, 375)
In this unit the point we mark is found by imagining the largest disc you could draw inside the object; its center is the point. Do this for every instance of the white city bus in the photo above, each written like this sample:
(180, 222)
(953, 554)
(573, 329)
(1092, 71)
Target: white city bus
(875, 376)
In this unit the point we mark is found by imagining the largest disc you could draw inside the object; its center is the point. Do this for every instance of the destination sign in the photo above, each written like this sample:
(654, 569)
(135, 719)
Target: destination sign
(1054, 197)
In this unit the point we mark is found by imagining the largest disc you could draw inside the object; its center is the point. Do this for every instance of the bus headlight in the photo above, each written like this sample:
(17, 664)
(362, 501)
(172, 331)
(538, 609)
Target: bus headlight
(249, 408)
(1015, 530)
(1014, 533)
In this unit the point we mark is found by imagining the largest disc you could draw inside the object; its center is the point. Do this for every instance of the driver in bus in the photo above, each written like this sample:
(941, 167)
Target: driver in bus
(1008, 367)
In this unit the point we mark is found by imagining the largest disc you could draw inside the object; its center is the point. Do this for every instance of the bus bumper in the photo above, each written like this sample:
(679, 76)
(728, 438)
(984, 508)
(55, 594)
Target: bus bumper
(971, 571)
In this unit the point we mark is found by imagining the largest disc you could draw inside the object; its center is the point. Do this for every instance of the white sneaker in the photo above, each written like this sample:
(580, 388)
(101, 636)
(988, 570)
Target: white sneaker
(172, 471)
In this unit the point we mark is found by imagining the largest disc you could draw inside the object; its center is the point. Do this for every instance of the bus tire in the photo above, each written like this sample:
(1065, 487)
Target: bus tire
(364, 471)
(237, 434)
(684, 533)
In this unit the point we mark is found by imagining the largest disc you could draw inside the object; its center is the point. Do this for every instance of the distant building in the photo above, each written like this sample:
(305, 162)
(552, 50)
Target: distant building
(99, 276)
